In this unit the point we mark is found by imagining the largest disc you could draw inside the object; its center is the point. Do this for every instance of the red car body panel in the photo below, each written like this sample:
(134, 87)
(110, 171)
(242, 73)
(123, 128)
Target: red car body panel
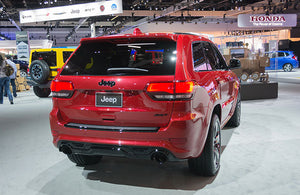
(182, 125)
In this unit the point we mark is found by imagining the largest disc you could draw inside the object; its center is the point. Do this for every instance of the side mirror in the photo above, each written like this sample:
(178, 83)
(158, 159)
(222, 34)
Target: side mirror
(234, 64)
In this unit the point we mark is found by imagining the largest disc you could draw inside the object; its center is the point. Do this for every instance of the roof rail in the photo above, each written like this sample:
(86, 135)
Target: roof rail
(186, 33)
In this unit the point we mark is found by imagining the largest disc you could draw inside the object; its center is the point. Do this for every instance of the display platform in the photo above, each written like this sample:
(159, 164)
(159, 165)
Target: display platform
(259, 90)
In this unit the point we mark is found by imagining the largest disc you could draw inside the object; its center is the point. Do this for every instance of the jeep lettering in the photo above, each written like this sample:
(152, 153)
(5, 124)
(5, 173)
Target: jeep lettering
(106, 99)
(107, 83)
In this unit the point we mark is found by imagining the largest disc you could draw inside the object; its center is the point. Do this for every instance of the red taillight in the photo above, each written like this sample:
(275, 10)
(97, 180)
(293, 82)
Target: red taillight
(171, 91)
(294, 57)
(62, 89)
(184, 87)
(161, 87)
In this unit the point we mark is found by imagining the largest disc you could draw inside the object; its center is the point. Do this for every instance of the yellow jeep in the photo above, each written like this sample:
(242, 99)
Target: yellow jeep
(44, 64)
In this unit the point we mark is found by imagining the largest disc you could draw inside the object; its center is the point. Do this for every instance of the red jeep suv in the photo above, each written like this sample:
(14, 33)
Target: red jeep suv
(153, 96)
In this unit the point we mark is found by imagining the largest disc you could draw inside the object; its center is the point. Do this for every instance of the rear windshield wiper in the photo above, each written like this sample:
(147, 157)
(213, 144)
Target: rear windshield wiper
(121, 70)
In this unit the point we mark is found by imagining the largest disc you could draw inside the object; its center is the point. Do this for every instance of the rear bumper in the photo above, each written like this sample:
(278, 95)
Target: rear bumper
(181, 139)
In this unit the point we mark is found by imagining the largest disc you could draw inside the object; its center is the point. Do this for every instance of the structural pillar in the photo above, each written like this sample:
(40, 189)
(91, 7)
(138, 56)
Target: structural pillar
(93, 30)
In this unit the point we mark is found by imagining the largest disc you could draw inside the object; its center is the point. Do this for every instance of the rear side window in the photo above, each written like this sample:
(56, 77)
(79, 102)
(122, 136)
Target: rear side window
(210, 55)
(149, 57)
(47, 56)
(280, 54)
(199, 58)
(220, 62)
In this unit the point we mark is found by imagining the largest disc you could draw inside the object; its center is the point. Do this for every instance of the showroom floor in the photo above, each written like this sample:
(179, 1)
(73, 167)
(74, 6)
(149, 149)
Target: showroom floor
(262, 156)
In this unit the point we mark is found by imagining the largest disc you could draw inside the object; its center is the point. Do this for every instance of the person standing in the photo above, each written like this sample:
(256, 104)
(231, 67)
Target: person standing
(4, 80)
(12, 77)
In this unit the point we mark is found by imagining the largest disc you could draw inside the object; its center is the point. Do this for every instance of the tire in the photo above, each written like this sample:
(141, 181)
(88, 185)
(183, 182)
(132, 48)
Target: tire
(255, 76)
(39, 71)
(244, 76)
(287, 67)
(208, 163)
(236, 117)
(23, 73)
(82, 160)
(41, 92)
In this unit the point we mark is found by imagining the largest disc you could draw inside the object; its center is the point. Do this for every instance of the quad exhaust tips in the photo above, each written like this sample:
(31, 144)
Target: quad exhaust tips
(157, 155)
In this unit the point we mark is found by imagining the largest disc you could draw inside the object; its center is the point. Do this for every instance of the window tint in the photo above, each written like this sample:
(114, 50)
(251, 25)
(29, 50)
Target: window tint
(280, 54)
(152, 57)
(66, 55)
(220, 62)
(47, 56)
(199, 57)
(210, 55)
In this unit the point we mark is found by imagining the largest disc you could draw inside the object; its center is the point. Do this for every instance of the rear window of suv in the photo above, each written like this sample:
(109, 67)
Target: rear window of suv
(48, 56)
(149, 57)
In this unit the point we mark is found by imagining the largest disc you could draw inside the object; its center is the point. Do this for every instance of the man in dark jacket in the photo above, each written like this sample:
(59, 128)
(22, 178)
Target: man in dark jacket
(12, 77)
(4, 80)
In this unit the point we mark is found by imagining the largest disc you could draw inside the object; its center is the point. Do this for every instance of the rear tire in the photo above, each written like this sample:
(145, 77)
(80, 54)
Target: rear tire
(82, 160)
(287, 67)
(244, 76)
(255, 76)
(208, 163)
(41, 92)
(236, 117)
